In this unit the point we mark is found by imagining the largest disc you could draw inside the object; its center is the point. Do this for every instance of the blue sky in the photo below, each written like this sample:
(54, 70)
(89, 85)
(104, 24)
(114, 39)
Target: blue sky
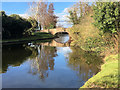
(22, 7)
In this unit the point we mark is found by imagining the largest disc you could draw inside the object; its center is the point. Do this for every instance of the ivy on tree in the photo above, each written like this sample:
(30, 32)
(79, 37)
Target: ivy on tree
(107, 16)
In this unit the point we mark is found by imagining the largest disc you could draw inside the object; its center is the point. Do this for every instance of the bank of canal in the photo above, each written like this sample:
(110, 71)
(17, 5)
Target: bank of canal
(35, 36)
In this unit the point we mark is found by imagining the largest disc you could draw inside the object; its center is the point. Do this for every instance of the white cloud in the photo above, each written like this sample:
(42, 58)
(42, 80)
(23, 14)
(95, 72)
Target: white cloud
(65, 10)
(63, 15)
(63, 18)
(24, 15)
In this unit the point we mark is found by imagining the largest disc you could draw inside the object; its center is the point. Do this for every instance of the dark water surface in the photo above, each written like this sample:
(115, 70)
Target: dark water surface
(47, 65)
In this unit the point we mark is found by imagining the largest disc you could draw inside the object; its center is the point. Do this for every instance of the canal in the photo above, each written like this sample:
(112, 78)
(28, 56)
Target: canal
(49, 64)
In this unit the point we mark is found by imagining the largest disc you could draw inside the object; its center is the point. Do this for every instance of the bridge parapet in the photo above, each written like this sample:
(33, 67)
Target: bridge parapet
(54, 31)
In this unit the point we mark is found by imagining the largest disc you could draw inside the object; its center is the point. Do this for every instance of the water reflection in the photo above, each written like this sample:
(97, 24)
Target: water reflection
(14, 55)
(63, 38)
(55, 66)
(43, 62)
(85, 63)
(62, 41)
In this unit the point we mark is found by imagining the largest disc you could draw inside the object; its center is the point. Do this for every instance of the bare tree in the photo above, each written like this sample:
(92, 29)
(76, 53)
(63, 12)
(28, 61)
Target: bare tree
(43, 13)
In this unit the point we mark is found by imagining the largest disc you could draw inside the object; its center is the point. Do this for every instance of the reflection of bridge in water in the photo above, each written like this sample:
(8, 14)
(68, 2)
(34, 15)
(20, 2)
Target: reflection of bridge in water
(56, 44)
(63, 40)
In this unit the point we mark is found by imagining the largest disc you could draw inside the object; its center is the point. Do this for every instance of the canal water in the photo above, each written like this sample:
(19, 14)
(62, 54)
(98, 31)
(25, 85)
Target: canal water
(47, 64)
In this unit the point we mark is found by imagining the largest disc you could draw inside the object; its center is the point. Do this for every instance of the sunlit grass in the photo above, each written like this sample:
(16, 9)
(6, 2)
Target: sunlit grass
(108, 76)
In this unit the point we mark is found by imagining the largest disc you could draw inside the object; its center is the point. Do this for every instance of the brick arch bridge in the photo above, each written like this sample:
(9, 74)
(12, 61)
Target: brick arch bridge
(56, 30)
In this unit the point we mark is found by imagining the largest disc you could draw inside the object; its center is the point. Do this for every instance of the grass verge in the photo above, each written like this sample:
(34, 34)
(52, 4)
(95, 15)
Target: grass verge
(108, 76)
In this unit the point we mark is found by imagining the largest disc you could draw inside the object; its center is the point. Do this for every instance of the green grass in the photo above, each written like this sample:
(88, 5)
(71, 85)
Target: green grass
(108, 76)
(34, 36)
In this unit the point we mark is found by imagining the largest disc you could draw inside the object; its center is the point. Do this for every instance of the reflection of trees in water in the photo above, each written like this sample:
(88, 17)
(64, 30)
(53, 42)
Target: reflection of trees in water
(85, 63)
(14, 55)
(43, 62)
(41, 58)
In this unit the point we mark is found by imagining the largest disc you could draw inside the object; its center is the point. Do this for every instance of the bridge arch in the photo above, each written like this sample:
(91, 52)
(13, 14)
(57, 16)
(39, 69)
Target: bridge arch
(56, 30)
